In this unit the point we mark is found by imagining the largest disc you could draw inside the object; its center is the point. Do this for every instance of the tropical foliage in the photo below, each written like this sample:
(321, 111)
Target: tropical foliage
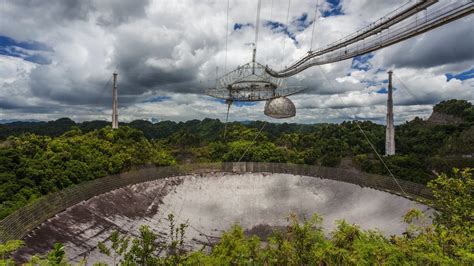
(33, 165)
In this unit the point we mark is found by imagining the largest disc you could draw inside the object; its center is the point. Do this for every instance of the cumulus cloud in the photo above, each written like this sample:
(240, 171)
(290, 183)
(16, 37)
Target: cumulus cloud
(167, 54)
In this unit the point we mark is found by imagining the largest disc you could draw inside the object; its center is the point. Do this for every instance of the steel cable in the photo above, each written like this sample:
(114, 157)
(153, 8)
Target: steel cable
(314, 25)
(366, 138)
(251, 143)
(284, 38)
(226, 37)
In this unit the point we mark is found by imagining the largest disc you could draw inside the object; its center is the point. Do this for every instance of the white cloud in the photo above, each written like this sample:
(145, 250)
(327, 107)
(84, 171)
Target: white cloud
(172, 48)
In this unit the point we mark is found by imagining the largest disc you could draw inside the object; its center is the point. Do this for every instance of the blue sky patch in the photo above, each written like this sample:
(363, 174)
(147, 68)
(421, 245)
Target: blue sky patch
(461, 76)
(369, 82)
(241, 104)
(274, 25)
(334, 10)
(29, 45)
(278, 27)
(361, 62)
(236, 103)
(384, 90)
(239, 26)
(218, 100)
(302, 22)
(157, 99)
(31, 51)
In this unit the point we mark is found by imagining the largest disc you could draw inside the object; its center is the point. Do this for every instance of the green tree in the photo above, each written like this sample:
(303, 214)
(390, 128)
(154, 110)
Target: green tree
(6, 249)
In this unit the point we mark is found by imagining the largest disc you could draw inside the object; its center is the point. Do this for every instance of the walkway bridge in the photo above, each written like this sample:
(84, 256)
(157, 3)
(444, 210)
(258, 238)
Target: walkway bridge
(24, 220)
(402, 24)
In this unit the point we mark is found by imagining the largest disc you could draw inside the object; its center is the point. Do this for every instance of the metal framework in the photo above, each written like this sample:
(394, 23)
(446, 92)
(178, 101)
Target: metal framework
(251, 82)
(402, 24)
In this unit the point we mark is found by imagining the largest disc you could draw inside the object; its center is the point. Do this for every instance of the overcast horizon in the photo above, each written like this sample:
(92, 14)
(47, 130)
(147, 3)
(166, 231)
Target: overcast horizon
(57, 59)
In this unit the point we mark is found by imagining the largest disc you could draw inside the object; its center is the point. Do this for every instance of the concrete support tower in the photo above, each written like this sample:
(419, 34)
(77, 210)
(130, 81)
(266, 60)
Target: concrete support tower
(390, 131)
(114, 103)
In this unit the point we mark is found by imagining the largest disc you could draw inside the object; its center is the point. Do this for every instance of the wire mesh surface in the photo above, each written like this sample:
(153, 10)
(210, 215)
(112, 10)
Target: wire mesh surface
(20, 223)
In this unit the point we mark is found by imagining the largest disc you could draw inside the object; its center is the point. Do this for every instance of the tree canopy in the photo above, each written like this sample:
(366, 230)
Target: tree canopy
(34, 165)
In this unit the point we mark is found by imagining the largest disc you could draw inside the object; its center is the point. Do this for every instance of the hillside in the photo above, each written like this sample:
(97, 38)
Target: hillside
(452, 112)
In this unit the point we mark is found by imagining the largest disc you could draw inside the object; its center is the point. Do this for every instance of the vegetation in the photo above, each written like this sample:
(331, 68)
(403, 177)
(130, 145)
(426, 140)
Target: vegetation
(449, 240)
(33, 165)
(459, 108)
(43, 157)
(6, 249)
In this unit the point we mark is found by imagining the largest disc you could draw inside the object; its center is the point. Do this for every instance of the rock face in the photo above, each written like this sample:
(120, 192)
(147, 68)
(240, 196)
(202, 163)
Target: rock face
(437, 118)
(213, 203)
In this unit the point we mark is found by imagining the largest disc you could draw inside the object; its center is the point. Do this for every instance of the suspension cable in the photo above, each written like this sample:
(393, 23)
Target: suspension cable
(229, 103)
(102, 92)
(271, 12)
(406, 88)
(106, 85)
(380, 158)
(257, 24)
(226, 37)
(284, 38)
(367, 138)
(314, 24)
(251, 143)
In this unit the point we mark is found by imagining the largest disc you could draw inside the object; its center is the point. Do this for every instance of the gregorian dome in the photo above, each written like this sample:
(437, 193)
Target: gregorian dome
(280, 107)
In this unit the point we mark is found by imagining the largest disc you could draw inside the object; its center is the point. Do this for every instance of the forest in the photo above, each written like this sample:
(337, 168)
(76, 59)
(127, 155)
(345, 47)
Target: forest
(44, 157)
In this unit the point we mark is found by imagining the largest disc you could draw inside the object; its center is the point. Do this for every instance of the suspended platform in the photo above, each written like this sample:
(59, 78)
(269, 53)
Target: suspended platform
(249, 83)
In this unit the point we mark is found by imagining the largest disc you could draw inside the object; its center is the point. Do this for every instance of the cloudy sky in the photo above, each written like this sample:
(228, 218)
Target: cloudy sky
(57, 58)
